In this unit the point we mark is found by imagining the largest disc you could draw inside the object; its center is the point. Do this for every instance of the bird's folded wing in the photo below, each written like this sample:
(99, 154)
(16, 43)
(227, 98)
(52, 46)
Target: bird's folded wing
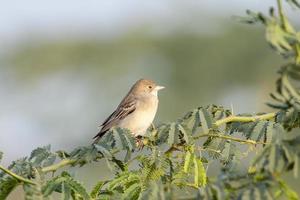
(127, 106)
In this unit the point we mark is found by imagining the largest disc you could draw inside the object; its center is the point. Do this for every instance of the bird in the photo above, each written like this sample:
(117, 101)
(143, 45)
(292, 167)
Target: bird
(136, 111)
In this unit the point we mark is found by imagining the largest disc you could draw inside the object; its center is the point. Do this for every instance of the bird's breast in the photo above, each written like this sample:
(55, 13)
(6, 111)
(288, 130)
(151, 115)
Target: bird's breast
(139, 120)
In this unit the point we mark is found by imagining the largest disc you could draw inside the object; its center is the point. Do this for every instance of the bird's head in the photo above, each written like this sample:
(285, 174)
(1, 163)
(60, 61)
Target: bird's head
(146, 86)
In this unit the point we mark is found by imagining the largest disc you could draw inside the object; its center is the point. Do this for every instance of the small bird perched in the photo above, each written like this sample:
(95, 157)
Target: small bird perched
(136, 111)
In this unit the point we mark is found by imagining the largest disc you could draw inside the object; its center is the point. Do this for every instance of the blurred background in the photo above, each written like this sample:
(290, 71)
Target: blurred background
(65, 65)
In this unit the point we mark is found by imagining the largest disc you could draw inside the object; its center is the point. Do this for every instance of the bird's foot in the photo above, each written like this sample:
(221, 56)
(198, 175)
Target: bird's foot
(139, 142)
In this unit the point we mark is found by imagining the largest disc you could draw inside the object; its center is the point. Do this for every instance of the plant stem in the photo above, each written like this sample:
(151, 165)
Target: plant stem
(280, 13)
(229, 138)
(209, 149)
(16, 176)
(192, 185)
(63, 163)
(171, 149)
(245, 119)
(66, 162)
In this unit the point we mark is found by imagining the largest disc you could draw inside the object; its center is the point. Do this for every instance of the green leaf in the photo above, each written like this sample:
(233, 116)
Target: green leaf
(296, 165)
(172, 139)
(278, 37)
(290, 194)
(87, 154)
(122, 180)
(264, 193)
(189, 157)
(117, 133)
(288, 153)
(186, 136)
(200, 173)
(155, 191)
(193, 121)
(274, 158)
(42, 156)
(216, 145)
(34, 191)
(206, 121)
(77, 188)
(230, 153)
(104, 150)
(130, 141)
(123, 139)
(65, 184)
(96, 189)
(294, 3)
(7, 185)
(261, 155)
(258, 131)
(132, 192)
(66, 192)
(163, 134)
(269, 133)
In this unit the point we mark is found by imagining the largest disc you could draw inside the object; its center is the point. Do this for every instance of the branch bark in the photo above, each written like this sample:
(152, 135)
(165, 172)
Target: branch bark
(234, 118)
(61, 164)
(16, 176)
(230, 138)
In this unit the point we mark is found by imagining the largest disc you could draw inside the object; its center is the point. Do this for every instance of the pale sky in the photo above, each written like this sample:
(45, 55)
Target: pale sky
(21, 19)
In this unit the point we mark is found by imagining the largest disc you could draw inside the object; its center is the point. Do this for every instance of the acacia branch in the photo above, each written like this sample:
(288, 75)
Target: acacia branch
(66, 162)
(16, 176)
(55, 167)
(229, 138)
(234, 118)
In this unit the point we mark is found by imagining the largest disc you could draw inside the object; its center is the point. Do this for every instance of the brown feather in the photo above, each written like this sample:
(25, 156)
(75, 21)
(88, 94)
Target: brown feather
(126, 107)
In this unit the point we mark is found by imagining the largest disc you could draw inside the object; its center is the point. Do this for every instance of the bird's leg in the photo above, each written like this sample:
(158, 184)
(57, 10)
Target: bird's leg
(139, 142)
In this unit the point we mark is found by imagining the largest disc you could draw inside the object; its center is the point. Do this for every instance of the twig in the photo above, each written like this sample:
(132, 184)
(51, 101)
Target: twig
(16, 176)
(234, 118)
(281, 15)
(210, 149)
(53, 168)
(229, 138)
(192, 185)
(171, 149)
(66, 162)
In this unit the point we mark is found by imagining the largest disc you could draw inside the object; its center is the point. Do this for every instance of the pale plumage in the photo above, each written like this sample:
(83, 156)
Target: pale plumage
(136, 111)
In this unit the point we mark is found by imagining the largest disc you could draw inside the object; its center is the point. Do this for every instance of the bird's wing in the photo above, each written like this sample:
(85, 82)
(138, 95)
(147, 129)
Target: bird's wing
(127, 106)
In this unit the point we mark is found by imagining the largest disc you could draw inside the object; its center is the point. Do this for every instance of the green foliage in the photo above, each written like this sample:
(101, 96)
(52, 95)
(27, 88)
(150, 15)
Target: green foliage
(34, 191)
(96, 189)
(67, 186)
(176, 155)
(7, 185)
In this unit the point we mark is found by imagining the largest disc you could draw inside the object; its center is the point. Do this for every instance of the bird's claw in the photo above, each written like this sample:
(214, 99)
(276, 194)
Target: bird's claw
(139, 142)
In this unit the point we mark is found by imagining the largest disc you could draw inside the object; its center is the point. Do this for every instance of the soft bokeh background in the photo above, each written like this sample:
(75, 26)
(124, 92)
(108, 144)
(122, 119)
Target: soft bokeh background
(65, 65)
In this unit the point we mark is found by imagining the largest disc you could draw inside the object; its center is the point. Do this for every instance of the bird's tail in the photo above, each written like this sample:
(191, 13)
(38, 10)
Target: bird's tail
(96, 140)
(98, 137)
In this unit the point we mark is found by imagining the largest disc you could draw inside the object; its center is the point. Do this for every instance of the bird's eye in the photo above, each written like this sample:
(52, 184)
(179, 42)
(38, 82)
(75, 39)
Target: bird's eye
(150, 87)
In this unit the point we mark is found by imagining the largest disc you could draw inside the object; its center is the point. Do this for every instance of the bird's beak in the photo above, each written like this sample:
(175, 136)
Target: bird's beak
(159, 87)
